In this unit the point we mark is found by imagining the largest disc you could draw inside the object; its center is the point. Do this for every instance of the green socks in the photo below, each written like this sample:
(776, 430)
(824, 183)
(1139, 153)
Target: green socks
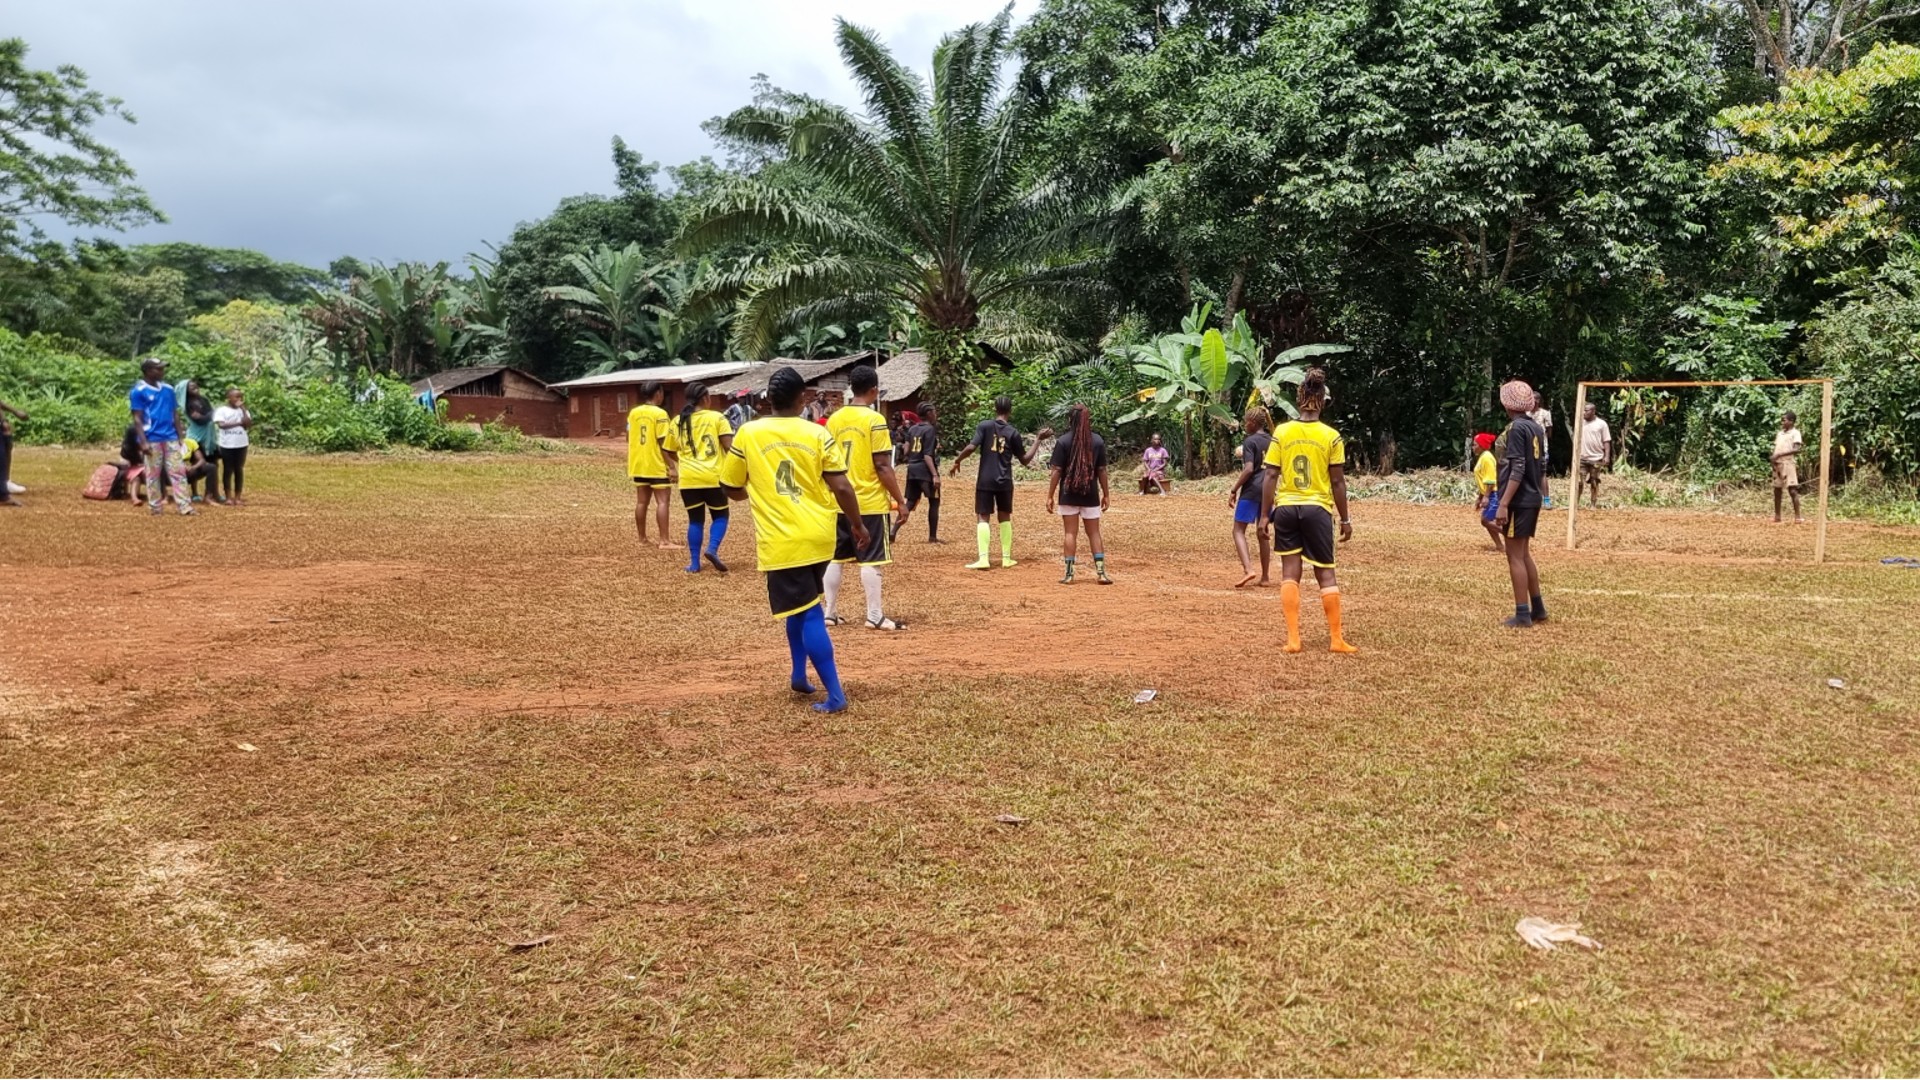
(1006, 543)
(984, 534)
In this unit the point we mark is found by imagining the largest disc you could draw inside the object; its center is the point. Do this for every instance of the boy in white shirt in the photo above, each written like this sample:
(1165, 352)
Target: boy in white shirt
(1786, 466)
(1596, 451)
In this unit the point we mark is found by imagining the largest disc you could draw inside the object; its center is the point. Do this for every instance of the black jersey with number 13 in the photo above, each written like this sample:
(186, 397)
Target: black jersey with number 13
(998, 444)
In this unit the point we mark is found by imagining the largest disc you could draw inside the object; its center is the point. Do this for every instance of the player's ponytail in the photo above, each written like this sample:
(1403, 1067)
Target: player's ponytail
(1313, 391)
(1080, 473)
(696, 397)
(1260, 418)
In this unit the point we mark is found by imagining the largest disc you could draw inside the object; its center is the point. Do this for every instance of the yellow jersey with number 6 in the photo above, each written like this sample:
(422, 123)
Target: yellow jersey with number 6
(646, 432)
(699, 448)
(862, 433)
(783, 463)
(1303, 453)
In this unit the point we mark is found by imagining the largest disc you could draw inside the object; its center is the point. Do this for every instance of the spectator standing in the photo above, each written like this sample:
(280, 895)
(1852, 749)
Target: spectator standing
(156, 413)
(232, 424)
(1596, 452)
(6, 453)
(1786, 465)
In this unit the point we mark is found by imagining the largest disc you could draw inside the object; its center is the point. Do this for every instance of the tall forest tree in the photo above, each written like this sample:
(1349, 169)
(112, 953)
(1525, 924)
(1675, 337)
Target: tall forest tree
(931, 201)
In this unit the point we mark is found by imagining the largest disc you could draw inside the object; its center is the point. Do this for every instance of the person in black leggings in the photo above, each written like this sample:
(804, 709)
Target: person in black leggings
(228, 420)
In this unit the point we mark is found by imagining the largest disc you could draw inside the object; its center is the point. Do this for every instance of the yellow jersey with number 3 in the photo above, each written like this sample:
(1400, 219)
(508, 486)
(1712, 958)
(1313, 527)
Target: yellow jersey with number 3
(783, 463)
(646, 431)
(862, 433)
(699, 448)
(1303, 453)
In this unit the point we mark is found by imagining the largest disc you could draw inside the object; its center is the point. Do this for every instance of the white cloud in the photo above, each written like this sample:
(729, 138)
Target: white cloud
(401, 129)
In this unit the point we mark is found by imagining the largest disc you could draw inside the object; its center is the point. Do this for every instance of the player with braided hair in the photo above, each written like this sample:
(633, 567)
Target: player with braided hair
(1077, 481)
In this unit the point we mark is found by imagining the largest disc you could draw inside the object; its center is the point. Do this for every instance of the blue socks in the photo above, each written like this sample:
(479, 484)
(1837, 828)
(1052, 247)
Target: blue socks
(717, 533)
(797, 651)
(693, 545)
(807, 640)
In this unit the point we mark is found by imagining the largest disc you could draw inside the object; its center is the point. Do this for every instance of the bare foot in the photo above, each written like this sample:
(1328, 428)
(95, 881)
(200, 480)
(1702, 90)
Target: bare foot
(1291, 646)
(1799, 521)
(666, 545)
(1341, 647)
(1263, 583)
(1246, 581)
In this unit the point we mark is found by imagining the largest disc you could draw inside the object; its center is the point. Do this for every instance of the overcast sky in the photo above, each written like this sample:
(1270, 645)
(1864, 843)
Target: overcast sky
(413, 130)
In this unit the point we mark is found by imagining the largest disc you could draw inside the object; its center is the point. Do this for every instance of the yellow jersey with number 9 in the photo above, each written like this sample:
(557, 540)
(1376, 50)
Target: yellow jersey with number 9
(699, 448)
(862, 433)
(1303, 452)
(783, 463)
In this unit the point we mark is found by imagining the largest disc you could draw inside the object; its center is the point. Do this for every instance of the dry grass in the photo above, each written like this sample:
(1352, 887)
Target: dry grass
(482, 716)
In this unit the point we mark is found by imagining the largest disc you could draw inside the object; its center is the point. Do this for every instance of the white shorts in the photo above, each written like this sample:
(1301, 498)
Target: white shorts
(1089, 513)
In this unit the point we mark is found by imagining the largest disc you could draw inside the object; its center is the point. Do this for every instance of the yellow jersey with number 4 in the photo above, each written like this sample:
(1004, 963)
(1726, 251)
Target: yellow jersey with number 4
(1303, 452)
(862, 433)
(646, 431)
(783, 463)
(699, 448)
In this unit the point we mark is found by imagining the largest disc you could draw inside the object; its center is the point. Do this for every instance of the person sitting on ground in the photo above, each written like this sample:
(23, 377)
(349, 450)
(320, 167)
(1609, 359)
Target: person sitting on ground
(1786, 466)
(1486, 472)
(198, 412)
(199, 470)
(1154, 460)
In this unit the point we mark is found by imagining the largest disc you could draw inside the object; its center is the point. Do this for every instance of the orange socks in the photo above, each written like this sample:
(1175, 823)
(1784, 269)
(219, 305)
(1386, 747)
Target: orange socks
(1330, 600)
(1290, 603)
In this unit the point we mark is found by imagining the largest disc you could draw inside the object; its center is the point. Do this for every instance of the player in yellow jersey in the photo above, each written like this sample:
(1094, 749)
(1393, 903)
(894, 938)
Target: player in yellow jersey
(867, 448)
(791, 472)
(1305, 483)
(650, 465)
(700, 437)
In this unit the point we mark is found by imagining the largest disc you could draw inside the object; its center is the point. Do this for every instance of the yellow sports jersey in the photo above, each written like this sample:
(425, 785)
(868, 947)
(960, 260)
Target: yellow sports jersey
(646, 431)
(862, 433)
(1304, 452)
(783, 462)
(699, 448)
(1486, 471)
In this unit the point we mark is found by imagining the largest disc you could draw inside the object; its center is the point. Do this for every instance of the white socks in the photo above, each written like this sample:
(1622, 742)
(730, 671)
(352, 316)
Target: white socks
(832, 584)
(869, 581)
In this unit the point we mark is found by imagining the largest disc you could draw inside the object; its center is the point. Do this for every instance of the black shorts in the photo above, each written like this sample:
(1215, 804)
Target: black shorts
(1306, 531)
(987, 501)
(1522, 521)
(712, 498)
(795, 589)
(917, 488)
(651, 481)
(879, 550)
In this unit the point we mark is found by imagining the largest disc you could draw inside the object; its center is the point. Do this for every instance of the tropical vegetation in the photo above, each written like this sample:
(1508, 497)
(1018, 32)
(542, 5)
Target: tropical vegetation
(1163, 208)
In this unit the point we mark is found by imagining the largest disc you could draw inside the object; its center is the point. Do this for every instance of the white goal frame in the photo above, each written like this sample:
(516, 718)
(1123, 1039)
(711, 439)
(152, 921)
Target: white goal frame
(1826, 444)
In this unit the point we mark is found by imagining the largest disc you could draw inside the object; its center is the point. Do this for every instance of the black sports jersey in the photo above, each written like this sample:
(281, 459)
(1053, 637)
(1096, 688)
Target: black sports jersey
(1254, 452)
(998, 445)
(1524, 457)
(922, 441)
(1063, 457)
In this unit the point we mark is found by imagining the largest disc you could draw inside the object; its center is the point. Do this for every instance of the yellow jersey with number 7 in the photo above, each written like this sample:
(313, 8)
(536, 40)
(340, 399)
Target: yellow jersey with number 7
(1303, 453)
(862, 433)
(783, 463)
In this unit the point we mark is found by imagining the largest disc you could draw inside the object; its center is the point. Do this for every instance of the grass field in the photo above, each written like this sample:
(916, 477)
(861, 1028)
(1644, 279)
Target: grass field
(283, 786)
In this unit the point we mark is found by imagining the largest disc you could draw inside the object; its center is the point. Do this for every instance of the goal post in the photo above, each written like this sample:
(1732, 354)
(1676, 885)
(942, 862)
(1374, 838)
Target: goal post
(1826, 444)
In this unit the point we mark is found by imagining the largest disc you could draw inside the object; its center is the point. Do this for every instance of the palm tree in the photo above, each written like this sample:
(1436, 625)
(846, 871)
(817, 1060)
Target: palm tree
(618, 284)
(927, 203)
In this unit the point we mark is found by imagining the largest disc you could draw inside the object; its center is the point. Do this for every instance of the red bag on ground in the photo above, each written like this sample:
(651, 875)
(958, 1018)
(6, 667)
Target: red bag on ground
(100, 484)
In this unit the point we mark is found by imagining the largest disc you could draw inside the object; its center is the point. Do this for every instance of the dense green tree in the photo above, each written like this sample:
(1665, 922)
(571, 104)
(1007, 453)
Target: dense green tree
(535, 258)
(51, 165)
(932, 201)
(215, 276)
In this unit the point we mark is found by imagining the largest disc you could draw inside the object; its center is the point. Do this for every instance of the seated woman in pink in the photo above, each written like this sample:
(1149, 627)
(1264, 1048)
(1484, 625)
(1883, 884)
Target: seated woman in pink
(1155, 480)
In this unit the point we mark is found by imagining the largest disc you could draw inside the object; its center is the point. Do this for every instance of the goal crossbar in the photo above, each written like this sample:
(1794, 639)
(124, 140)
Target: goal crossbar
(1826, 440)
